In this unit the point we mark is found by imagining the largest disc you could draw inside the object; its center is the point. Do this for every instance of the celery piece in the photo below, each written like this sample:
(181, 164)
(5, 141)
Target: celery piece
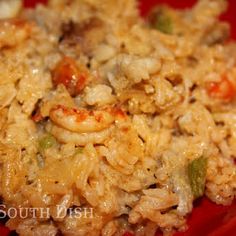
(79, 150)
(197, 176)
(46, 142)
(164, 23)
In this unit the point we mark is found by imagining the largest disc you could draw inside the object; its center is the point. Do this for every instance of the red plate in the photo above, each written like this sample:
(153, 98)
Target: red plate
(230, 15)
(207, 218)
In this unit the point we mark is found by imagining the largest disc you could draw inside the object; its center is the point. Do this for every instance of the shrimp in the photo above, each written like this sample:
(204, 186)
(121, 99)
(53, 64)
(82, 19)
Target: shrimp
(65, 136)
(83, 121)
(13, 32)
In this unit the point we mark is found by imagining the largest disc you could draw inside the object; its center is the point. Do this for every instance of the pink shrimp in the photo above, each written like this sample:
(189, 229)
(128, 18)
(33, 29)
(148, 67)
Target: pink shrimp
(83, 121)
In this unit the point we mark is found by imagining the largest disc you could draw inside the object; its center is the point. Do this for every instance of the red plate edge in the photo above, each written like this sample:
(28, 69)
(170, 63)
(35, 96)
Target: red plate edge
(207, 218)
(230, 15)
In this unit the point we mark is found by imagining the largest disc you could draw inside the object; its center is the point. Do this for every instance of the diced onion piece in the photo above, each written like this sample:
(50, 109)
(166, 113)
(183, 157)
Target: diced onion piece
(10, 8)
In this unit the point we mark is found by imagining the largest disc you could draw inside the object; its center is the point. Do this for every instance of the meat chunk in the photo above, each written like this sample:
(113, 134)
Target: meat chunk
(216, 35)
(87, 34)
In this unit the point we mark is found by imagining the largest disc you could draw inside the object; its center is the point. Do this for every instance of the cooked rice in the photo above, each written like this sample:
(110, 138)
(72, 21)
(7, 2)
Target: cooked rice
(122, 132)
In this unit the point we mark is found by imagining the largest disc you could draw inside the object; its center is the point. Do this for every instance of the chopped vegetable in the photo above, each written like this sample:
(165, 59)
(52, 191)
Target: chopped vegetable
(164, 24)
(177, 168)
(224, 89)
(79, 150)
(197, 176)
(46, 142)
(182, 187)
(68, 73)
(10, 8)
(161, 21)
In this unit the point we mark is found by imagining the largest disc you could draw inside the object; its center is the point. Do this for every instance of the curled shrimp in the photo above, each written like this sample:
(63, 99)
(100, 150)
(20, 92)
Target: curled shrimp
(13, 32)
(84, 121)
(65, 136)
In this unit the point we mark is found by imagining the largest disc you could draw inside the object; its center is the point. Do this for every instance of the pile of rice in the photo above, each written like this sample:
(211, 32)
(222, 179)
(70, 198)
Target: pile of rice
(100, 110)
